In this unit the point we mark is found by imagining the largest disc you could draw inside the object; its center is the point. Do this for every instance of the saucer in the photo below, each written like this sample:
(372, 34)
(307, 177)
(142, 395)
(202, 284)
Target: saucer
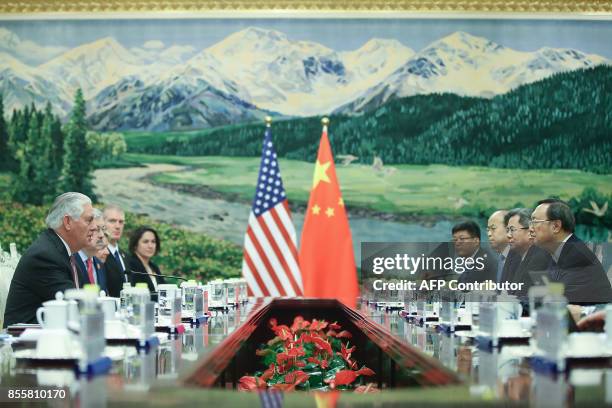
(592, 352)
(32, 355)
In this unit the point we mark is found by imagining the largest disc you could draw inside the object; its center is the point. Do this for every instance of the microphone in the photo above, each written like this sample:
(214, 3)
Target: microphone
(159, 274)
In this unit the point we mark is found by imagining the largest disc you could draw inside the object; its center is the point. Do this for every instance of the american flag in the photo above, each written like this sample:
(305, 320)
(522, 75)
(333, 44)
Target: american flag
(270, 264)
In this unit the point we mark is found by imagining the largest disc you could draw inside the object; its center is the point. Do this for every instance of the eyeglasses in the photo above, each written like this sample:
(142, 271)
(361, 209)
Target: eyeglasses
(513, 230)
(534, 221)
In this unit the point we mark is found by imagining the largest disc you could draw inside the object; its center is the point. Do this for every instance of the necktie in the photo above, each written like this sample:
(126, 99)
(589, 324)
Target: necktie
(553, 270)
(500, 267)
(90, 270)
(118, 258)
(75, 275)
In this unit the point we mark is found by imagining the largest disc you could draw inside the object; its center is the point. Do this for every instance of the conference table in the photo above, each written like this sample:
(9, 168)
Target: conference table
(155, 377)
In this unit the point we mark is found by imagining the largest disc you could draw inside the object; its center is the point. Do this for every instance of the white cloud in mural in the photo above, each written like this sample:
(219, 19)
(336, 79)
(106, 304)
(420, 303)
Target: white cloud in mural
(153, 45)
(26, 50)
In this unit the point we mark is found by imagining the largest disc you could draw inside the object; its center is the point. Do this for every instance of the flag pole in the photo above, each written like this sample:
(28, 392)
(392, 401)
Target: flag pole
(268, 120)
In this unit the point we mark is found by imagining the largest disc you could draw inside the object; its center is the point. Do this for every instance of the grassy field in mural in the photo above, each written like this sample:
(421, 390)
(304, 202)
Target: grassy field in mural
(399, 189)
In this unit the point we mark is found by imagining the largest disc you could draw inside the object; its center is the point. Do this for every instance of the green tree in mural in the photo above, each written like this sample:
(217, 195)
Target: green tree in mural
(30, 183)
(51, 164)
(78, 160)
(18, 133)
(4, 139)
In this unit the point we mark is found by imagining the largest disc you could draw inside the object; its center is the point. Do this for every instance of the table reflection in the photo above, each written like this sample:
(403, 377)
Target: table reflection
(503, 374)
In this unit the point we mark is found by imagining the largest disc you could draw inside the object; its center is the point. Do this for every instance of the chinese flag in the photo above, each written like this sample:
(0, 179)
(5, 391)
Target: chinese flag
(326, 248)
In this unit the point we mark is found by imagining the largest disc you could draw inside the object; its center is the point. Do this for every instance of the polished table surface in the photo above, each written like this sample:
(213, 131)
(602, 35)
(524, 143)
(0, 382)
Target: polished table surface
(496, 377)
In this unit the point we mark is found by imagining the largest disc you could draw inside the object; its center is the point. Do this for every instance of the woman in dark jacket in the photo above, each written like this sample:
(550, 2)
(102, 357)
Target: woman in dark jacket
(144, 244)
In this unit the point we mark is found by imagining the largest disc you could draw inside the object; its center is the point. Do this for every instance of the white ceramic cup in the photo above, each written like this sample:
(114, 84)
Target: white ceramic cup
(53, 314)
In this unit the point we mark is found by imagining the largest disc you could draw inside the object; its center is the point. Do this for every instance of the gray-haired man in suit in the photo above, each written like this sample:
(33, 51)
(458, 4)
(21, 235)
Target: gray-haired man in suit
(46, 267)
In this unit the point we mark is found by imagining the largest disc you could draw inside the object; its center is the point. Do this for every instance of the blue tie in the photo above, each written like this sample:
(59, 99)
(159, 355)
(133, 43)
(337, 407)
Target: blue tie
(118, 258)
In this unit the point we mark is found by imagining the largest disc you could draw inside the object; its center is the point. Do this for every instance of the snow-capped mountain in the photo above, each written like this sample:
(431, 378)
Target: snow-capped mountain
(256, 71)
(470, 66)
(92, 66)
(21, 85)
(278, 73)
(175, 103)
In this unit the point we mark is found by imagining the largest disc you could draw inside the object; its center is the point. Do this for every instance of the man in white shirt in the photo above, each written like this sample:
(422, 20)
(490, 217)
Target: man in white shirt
(115, 265)
(466, 242)
(573, 263)
(90, 259)
(498, 239)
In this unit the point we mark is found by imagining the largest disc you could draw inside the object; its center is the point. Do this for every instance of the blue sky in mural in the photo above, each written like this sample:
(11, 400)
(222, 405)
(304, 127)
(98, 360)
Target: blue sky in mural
(345, 34)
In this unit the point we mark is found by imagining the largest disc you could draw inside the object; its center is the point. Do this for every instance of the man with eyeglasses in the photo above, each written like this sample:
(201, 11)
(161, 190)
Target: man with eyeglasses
(573, 263)
(46, 267)
(90, 259)
(498, 239)
(530, 257)
(466, 241)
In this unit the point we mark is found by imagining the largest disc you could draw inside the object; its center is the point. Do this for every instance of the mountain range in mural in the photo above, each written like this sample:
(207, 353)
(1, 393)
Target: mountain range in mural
(256, 72)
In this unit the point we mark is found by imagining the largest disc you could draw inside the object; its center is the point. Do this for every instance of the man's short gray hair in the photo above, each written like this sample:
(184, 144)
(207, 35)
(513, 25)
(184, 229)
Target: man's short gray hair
(70, 204)
(97, 214)
(112, 207)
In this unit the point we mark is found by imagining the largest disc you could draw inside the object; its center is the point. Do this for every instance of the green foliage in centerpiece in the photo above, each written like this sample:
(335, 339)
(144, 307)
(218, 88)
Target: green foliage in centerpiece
(308, 355)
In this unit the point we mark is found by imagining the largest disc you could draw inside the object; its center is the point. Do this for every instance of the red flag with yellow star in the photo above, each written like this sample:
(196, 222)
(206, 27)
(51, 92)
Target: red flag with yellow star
(326, 254)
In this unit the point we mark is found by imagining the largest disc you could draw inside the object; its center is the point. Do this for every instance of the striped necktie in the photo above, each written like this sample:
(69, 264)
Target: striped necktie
(75, 275)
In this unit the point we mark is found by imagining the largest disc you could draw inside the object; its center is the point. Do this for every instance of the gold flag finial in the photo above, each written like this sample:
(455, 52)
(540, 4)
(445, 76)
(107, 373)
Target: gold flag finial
(268, 120)
(325, 121)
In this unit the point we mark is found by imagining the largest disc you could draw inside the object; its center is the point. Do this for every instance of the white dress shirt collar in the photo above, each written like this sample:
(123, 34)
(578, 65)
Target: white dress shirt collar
(557, 253)
(65, 244)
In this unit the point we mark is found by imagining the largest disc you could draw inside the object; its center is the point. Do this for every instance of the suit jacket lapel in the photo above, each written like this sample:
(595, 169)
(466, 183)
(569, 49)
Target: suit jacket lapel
(57, 243)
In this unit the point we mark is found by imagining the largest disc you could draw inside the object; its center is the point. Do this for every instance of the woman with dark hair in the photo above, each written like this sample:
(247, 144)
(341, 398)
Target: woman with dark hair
(144, 244)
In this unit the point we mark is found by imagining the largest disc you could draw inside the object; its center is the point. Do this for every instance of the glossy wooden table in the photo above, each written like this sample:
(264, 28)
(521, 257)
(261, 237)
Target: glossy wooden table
(165, 376)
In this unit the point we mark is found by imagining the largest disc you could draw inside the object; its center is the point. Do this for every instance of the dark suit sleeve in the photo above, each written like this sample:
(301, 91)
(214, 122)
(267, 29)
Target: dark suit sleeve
(50, 279)
(582, 274)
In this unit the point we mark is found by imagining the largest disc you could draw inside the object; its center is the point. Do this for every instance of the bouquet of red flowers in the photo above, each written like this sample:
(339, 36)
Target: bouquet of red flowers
(309, 356)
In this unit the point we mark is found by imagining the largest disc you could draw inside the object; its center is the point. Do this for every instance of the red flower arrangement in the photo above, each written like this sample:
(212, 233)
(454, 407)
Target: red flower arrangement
(308, 356)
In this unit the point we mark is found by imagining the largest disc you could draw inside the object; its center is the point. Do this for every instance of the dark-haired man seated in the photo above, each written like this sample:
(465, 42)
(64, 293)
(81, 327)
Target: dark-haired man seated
(573, 263)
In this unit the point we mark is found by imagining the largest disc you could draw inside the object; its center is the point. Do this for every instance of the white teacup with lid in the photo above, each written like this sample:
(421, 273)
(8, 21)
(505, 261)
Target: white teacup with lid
(54, 313)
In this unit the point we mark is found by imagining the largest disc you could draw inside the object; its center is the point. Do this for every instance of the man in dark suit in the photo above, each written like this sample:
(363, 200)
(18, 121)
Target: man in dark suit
(466, 240)
(45, 268)
(90, 260)
(530, 257)
(115, 264)
(573, 263)
(507, 260)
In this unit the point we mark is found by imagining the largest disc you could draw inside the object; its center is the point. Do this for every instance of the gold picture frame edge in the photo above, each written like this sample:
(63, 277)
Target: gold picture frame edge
(572, 7)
